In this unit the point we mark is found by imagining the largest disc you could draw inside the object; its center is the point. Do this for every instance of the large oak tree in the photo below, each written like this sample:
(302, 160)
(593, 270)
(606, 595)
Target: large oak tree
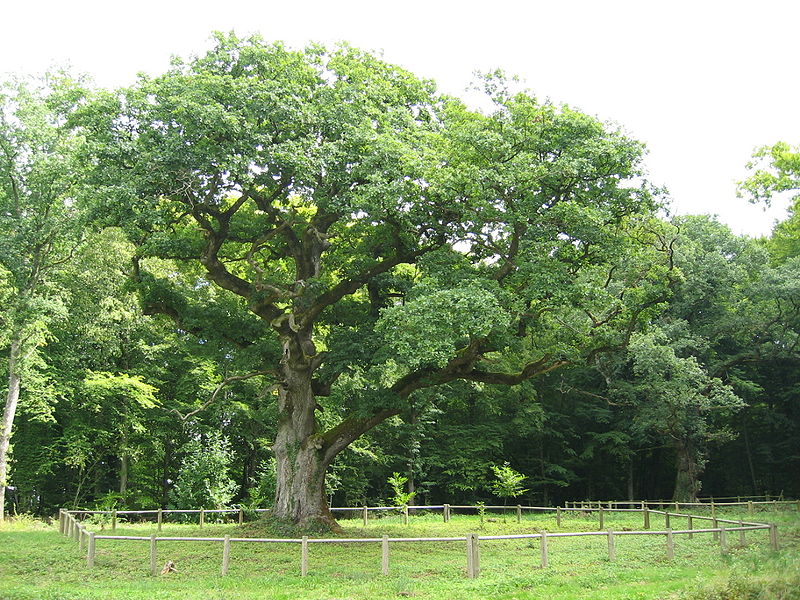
(368, 238)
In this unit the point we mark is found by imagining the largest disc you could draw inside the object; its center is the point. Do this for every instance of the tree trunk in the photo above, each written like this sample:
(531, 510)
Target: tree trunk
(687, 483)
(124, 468)
(299, 449)
(630, 480)
(8, 417)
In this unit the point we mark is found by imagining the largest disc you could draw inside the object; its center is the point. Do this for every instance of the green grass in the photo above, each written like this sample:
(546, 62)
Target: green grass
(37, 563)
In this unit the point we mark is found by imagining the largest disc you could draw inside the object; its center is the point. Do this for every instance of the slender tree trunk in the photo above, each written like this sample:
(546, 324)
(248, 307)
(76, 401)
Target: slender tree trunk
(124, 468)
(9, 412)
(165, 469)
(750, 459)
(630, 480)
(687, 482)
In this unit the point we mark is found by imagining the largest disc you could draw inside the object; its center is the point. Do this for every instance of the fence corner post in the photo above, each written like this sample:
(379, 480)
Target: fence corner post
(91, 551)
(773, 536)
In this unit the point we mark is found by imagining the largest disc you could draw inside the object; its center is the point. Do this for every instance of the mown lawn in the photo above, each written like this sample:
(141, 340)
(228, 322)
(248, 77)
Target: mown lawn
(37, 563)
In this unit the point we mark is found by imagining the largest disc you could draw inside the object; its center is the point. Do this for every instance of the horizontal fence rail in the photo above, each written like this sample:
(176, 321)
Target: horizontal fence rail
(71, 527)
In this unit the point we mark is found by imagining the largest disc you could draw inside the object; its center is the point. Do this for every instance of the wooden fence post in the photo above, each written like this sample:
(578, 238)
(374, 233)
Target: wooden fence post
(558, 516)
(742, 538)
(647, 518)
(405, 514)
(61, 521)
(202, 517)
(91, 551)
(543, 549)
(519, 513)
(160, 518)
(689, 525)
(666, 520)
(677, 508)
(602, 519)
(82, 535)
(114, 520)
(365, 515)
(473, 556)
(385, 555)
(612, 547)
(670, 545)
(723, 540)
(750, 507)
(76, 531)
(715, 525)
(446, 513)
(153, 562)
(304, 556)
(773, 536)
(713, 508)
(226, 554)
(241, 516)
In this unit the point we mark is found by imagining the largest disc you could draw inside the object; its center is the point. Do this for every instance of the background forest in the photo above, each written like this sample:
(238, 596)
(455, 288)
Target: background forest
(523, 298)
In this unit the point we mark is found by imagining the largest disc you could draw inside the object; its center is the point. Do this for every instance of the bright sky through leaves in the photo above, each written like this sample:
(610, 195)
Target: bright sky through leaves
(701, 83)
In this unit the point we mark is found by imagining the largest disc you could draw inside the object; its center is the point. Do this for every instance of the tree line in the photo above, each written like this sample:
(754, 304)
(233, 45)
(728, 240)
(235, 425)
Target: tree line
(290, 277)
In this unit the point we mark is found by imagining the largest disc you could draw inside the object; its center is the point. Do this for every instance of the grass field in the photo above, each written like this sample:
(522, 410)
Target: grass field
(38, 563)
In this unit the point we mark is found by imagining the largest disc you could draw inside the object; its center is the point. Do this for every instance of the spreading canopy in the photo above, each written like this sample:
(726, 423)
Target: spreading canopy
(357, 238)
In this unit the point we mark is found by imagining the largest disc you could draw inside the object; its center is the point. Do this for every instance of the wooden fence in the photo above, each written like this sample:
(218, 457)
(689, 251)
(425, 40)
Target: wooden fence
(72, 527)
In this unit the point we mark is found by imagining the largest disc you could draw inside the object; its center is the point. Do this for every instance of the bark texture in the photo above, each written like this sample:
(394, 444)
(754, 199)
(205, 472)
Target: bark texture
(300, 452)
(687, 479)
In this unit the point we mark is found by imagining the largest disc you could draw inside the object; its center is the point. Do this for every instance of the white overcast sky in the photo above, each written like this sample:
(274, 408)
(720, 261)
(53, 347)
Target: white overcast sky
(701, 82)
